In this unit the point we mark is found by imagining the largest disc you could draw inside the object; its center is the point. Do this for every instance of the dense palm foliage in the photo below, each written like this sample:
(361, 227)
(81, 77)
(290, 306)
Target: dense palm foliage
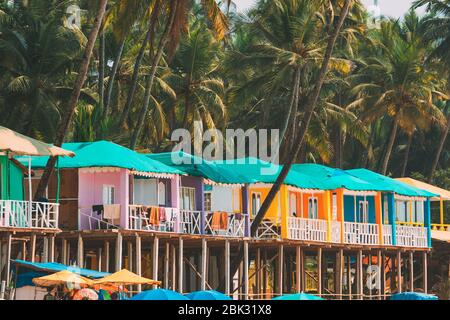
(161, 65)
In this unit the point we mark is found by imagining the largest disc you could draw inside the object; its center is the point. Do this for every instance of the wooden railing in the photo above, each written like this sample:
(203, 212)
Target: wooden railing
(307, 229)
(139, 219)
(387, 234)
(225, 224)
(268, 229)
(19, 214)
(93, 221)
(408, 236)
(361, 233)
(190, 222)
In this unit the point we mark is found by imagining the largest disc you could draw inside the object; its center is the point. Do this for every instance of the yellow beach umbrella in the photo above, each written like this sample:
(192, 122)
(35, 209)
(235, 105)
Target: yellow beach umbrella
(18, 144)
(62, 278)
(125, 278)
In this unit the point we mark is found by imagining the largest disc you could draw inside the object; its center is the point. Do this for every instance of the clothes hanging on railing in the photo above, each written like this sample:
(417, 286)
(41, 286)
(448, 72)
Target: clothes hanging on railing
(154, 215)
(98, 209)
(112, 213)
(219, 221)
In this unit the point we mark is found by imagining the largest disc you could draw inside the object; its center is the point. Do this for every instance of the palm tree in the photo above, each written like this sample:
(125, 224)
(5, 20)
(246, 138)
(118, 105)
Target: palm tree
(71, 105)
(393, 81)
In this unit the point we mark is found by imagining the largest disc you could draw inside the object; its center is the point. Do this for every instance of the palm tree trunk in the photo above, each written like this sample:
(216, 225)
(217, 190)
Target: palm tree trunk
(149, 36)
(151, 78)
(101, 71)
(294, 102)
(439, 150)
(112, 77)
(187, 106)
(390, 144)
(408, 148)
(70, 109)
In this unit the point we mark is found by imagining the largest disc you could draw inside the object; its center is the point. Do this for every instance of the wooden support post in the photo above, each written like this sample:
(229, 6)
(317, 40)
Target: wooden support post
(45, 250)
(319, 271)
(399, 271)
(174, 267)
(258, 273)
(52, 249)
(32, 247)
(203, 264)
(166, 265)
(99, 258)
(246, 263)
(64, 251)
(107, 256)
(80, 251)
(339, 272)
(118, 252)
(383, 276)
(24, 250)
(138, 246)
(411, 271)
(349, 276)
(130, 256)
(298, 266)
(425, 272)
(155, 258)
(8, 257)
(180, 265)
(379, 275)
(227, 268)
(359, 275)
(264, 279)
(280, 268)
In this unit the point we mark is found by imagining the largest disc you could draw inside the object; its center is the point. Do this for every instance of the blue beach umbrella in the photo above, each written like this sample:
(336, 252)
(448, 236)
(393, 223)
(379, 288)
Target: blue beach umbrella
(207, 295)
(159, 294)
(298, 296)
(413, 296)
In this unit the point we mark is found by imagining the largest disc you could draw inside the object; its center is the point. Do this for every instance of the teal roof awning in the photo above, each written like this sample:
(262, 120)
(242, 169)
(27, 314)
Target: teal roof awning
(104, 154)
(389, 184)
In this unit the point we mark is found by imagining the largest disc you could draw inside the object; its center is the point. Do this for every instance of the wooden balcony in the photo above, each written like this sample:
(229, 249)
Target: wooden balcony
(28, 214)
(307, 229)
(225, 224)
(411, 236)
(361, 233)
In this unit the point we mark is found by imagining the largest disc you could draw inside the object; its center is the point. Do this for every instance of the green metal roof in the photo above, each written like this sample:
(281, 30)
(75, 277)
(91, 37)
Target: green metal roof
(390, 184)
(103, 154)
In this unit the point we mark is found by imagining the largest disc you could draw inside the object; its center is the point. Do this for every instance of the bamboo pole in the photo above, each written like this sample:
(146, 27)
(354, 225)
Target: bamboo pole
(130, 255)
(203, 264)
(227, 268)
(298, 262)
(80, 251)
(280, 268)
(8, 257)
(411, 271)
(339, 271)
(399, 271)
(52, 249)
(138, 246)
(107, 256)
(33, 247)
(155, 258)
(246, 263)
(258, 273)
(118, 252)
(425, 272)
(166, 265)
(319, 271)
(180, 265)
(64, 251)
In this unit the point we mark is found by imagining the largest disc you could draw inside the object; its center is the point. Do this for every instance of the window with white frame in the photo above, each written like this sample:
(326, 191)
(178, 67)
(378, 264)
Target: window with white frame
(187, 196)
(420, 216)
(363, 211)
(256, 202)
(313, 208)
(401, 210)
(108, 194)
(207, 201)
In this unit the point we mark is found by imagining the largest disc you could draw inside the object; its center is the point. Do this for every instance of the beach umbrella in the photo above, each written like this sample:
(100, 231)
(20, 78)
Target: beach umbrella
(18, 144)
(125, 278)
(207, 295)
(85, 294)
(298, 296)
(67, 278)
(159, 294)
(413, 296)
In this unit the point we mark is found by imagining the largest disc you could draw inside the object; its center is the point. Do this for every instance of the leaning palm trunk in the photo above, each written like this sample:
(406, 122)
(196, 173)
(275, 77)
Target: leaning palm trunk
(134, 79)
(390, 144)
(408, 148)
(439, 150)
(70, 109)
(151, 78)
(101, 72)
(112, 77)
(297, 143)
(293, 104)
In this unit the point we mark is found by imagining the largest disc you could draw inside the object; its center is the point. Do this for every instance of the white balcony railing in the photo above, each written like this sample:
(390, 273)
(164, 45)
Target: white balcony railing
(268, 229)
(410, 236)
(92, 221)
(307, 229)
(361, 233)
(19, 214)
(387, 234)
(162, 219)
(335, 231)
(190, 222)
(225, 224)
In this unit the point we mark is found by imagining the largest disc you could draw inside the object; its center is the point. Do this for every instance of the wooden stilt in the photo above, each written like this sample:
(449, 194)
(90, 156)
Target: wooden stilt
(411, 271)
(130, 256)
(8, 257)
(203, 264)
(349, 276)
(45, 250)
(106, 256)
(180, 265)
(174, 267)
(302, 271)
(339, 272)
(118, 252)
(380, 285)
(68, 253)
(264, 279)
(166, 266)
(80, 251)
(359, 276)
(246, 263)
(319, 271)
(298, 262)
(399, 271)
(24, 250)
(383, 275)
(32, 247)
(155, 258)
(227, 268)
(51, 249)
(258, 272)
(99, 258)
(425, 272)
(280, 268)
(138, 246)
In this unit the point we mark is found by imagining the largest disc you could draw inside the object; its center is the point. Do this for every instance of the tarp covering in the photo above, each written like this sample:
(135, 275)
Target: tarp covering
(159, 294)
(104, 154)
(125, 278)
(413, 296)
(380, 181)
(442, 193)
(18, 144)
(55, 267)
